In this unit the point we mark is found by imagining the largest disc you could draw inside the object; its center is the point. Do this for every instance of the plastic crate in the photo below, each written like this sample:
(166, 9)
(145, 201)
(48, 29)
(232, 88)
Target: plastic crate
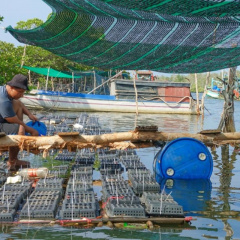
(84, 160)
(45, 194)
(25, 185)
(11, 199)
(83, 169)
(149, 196)
(125, 210)
(49, 184)
(7, 216)
(39, 209)
(163, 208)
(71, 211)
(84, 197)
(10, 202)
(140, 187)
(132, 164)
(78, 188)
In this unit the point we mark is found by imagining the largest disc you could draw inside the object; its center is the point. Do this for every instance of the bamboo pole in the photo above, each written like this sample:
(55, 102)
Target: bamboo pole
(24, 54)
(73, 88)
(115, 76)
(136, 93)
(85, 82)
(29, 78)
(94, 82)
(205, 91)
(47, 79)
(52, 83)
(138, 139)
(196, 83)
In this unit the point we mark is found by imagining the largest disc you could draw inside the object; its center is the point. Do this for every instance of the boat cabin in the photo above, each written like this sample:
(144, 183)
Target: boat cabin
(151, 90)
(145, 75)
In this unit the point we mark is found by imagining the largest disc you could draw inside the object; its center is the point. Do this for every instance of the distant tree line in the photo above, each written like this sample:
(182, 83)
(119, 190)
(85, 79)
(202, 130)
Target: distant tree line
(12, 57)
(201, 78)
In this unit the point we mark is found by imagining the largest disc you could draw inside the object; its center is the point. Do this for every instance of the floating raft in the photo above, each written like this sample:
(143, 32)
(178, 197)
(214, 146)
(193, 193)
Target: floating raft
(67, 195)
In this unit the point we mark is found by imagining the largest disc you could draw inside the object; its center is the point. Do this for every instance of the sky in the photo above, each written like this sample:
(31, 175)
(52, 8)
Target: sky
(14, 11)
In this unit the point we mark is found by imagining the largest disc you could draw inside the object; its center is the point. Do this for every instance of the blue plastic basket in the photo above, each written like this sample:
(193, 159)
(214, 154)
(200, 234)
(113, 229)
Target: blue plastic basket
(184, 158)
(39, 126)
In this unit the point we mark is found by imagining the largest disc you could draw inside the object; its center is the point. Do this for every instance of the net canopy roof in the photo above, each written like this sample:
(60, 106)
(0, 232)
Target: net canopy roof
(51, 72)
(172, 36)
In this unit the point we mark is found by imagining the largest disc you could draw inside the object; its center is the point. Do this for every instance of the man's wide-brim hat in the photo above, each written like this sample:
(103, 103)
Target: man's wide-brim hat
(19, 81)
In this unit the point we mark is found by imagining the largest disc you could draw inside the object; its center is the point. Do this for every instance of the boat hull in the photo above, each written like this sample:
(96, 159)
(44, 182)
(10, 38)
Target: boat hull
(214, 94)
(38, 101)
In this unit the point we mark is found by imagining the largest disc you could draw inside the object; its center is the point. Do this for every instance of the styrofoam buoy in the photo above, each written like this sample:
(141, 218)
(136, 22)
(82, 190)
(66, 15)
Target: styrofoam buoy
(78, 126)
(184, 158)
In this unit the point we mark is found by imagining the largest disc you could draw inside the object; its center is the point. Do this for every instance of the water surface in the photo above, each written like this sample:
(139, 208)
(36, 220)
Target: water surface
(214, 204)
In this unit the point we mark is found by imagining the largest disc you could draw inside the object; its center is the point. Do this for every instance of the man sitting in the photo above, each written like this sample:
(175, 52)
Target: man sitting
(11, 116)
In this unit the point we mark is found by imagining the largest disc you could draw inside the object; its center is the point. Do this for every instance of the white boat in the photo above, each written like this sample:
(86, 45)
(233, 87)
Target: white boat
(152, 97)
(217, 88)
(213, 93)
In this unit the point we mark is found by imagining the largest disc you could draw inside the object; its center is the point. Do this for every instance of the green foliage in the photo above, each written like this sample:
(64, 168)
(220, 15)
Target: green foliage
(201, 79)
(9, 58)
(12, 57)
(1, 18)
(29, 24)
(97, 162)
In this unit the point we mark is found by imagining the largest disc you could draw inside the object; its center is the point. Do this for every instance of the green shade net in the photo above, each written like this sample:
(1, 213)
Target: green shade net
(50, 72)
(181, 36)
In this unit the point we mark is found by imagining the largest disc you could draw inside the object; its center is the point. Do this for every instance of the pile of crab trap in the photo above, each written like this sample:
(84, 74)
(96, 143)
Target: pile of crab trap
(68, 191)
(79, 200)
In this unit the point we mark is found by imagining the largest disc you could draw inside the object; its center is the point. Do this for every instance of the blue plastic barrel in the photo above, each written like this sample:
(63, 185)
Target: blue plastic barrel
(184, 158)
(193, 195)
(39, 126)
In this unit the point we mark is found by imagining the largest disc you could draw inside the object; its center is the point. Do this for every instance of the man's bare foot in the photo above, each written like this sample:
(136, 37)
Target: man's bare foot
(16, 165)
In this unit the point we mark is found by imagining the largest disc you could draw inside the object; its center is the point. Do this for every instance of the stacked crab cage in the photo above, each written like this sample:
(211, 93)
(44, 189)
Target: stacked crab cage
(67, 192)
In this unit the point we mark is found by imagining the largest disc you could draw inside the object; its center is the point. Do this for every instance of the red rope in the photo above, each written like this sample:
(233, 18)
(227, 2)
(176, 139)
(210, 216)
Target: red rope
(112, 197)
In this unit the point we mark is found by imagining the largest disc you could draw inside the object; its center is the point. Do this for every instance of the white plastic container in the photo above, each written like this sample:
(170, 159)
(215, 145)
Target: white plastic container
(41, 172)
(14, 179)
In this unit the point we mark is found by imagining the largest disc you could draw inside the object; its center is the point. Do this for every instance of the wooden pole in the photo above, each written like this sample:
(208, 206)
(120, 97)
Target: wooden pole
(115, 76)
(85, 82)
(94, 81)
(205, 91)
(73, 88)
(136, 93)
(47, 79)
(24, 54)
(196, 84)
(29, 78)
(227, 119)
(52, 83)
(137, 138)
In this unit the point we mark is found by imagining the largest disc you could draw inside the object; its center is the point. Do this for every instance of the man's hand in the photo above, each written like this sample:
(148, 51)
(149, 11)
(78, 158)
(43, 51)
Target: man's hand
(32, 117)
(32, 131)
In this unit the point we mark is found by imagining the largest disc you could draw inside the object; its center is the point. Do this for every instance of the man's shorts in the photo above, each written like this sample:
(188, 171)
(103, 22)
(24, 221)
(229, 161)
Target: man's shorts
(9, 128)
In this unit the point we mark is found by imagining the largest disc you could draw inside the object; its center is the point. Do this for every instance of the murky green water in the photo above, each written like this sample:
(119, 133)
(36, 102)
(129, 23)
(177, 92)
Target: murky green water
(214, 204)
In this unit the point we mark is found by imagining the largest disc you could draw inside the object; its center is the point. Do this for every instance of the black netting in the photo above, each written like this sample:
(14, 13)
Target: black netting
(178, 36)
